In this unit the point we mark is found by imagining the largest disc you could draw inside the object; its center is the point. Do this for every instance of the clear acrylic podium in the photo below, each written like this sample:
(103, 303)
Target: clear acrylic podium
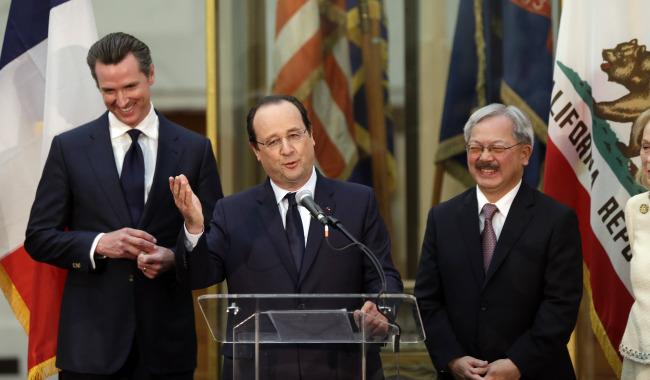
(255, 326)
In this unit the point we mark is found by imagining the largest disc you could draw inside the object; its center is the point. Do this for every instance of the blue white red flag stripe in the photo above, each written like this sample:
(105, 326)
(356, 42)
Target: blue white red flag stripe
(45, 89)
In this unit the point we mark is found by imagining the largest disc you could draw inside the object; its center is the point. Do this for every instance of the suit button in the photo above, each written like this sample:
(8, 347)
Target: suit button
(301, 306)
(130, 278)
(484, 307)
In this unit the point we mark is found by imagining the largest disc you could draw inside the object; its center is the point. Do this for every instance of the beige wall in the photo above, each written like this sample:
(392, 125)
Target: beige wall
(437, 22)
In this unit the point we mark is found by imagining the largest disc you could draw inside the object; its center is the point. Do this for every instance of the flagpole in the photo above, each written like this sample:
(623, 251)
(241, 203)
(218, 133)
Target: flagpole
(211, 132)
(211, 74)
(439, 175)
(370, 47)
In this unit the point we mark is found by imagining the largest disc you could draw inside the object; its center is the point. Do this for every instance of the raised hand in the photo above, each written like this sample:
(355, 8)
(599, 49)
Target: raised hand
(188, 203)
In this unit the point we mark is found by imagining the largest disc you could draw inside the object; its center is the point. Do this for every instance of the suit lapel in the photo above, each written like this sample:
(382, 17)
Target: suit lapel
(323, 196)
(271, 220)
(519, 217)
(471, 235)
(99, 152)
(167, 159)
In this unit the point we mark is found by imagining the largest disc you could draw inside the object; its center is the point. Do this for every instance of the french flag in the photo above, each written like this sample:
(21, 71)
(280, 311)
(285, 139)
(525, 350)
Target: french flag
(45, 89)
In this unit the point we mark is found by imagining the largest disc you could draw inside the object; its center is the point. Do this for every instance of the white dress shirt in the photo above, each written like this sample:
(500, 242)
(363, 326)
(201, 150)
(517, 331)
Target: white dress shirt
(148, 141)
(283, 204)
(503, 204)
(121, 141)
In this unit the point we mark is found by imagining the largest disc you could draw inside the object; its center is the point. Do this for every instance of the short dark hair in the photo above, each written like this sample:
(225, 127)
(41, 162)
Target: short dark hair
(274, 99)
(114, 47)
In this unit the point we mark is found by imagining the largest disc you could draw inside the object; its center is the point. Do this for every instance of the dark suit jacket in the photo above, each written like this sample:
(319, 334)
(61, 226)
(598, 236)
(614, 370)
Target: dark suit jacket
(102, 310)
(525, 307)
(246, 245)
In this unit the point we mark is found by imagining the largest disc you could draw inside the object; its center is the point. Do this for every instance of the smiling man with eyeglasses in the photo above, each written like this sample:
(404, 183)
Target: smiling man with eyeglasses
(498, 150)
(476, 149)
(500, 277)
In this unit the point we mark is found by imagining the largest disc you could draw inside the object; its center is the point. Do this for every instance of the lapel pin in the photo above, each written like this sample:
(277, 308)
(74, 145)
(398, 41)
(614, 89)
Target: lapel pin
(643, 208)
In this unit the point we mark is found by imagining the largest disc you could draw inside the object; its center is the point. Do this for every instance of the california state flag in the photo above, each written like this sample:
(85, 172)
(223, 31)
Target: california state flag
(601, 84)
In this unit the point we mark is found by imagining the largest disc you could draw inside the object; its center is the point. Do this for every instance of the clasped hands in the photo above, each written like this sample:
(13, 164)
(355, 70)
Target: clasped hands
(470, 368)
(131, 244)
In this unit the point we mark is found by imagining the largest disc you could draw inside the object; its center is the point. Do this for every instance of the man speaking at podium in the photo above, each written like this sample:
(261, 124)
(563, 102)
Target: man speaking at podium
(259, 241)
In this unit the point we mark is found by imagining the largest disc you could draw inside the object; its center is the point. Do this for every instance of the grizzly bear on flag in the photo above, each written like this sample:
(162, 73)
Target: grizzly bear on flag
(629, 65)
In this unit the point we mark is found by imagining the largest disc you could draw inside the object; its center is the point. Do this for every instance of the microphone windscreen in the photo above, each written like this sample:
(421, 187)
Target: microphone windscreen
(302, 194)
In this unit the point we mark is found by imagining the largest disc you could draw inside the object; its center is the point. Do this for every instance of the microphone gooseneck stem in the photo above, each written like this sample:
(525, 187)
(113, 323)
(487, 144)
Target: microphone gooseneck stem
(371, 256)
(335, 223)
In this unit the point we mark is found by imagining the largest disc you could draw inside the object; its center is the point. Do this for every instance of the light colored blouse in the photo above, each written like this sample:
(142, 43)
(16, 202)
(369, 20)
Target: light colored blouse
(635, 344)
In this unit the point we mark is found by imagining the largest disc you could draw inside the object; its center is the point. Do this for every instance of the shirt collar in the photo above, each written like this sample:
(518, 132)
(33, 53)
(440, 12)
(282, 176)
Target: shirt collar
(502, 204)
(310, 185)
(148, 126)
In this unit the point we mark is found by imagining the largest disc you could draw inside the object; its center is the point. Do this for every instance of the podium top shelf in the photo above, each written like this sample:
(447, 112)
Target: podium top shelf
(308, 318)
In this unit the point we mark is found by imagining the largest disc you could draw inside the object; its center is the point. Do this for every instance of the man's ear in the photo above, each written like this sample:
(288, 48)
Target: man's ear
(255, 150)
(526, 151)
(152, 76)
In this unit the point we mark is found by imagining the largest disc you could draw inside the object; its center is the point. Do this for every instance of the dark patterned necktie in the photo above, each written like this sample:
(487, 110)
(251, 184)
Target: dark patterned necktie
(132, 177)
(488, 237)
(295, 232)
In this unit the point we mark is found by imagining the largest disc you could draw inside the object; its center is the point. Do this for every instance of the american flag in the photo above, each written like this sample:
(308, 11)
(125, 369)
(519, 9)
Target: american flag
(317, 59)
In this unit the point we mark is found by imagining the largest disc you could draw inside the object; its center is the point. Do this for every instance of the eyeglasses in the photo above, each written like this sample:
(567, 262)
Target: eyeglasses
(477, 150)
(275, 142)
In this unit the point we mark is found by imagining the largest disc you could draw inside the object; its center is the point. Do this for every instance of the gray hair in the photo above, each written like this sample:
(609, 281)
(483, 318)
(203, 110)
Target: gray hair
(522, 129)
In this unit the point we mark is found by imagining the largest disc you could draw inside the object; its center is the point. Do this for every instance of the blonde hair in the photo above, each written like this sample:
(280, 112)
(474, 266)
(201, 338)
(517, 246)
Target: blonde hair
(638, 127)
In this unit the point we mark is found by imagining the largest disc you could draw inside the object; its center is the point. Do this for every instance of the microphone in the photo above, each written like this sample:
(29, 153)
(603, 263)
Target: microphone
(305, 198)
